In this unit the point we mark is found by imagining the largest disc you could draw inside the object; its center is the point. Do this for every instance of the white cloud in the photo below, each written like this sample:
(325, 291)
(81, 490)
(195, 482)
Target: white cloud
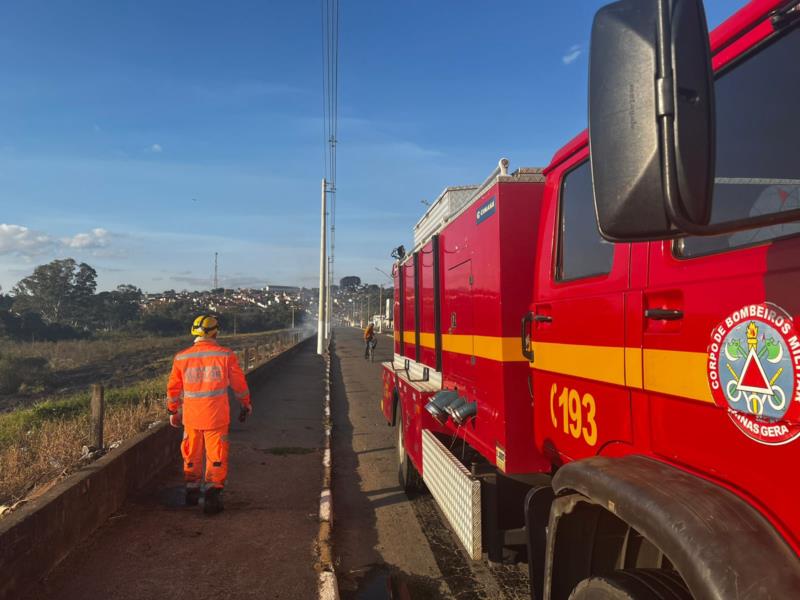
(156, 148)
(96, 238)
(19, 240)
(572, 54)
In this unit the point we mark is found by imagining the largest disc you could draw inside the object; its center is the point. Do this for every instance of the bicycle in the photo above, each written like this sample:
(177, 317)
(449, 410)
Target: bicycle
(371, 349)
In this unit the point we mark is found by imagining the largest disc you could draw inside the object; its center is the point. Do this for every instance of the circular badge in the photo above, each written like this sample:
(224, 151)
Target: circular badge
(751, 372)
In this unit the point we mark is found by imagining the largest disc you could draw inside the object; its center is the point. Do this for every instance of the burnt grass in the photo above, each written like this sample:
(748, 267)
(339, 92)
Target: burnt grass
(130, 361)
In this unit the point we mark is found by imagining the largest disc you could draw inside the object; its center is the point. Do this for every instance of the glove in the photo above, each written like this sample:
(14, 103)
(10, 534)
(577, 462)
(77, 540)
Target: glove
(245, 412)
(176, 420)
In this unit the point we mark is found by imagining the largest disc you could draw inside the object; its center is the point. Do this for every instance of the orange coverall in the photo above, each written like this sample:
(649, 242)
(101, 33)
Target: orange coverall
(199, 382)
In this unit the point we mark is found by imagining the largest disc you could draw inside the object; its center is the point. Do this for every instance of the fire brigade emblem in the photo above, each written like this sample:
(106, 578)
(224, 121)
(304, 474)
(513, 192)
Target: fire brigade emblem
(751, 372)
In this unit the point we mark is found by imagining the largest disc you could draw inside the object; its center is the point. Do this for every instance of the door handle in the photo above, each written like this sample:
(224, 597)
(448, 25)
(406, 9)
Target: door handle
(525, 338)
(663, 314)
(543, 318)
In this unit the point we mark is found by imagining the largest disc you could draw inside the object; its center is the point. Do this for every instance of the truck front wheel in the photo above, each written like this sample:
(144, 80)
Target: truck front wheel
(633, 584)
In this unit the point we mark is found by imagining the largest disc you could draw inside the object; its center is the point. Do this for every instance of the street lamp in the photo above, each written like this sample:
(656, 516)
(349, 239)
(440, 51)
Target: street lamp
(380, 304)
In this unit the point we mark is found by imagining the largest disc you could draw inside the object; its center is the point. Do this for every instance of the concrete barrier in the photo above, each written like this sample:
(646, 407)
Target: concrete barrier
(40, 534)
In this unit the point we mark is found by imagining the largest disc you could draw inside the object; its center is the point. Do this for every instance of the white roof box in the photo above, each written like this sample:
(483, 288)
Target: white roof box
(449, 202)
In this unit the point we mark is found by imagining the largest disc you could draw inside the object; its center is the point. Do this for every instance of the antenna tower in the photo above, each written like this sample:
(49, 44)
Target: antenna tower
(216, 279)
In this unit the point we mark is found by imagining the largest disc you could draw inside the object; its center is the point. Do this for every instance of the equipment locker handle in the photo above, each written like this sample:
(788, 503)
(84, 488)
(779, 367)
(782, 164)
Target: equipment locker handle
(663, 314)
(543, 318)
(525, 337)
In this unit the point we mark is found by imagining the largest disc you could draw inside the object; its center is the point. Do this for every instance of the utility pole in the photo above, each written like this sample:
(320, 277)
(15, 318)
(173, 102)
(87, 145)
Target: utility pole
(321, 329)
(216, 278)
(380, 305)
(328, 305)
(293, 317)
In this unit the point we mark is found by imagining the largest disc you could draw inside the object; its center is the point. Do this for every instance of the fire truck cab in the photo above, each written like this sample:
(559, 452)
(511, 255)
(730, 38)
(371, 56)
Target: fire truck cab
(597, 367)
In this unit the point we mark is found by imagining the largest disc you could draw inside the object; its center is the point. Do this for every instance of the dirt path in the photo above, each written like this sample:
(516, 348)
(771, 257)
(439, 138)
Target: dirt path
(261, 546)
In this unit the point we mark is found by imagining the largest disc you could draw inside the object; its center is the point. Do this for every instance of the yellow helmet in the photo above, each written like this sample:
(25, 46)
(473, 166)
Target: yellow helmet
(205, 326)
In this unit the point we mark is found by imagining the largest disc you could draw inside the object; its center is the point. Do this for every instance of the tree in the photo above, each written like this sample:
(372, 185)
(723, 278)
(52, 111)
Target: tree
(60, 291)
(114, 309)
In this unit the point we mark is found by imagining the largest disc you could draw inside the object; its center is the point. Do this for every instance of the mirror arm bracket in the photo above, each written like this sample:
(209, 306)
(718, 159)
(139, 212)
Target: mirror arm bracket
(665, 104)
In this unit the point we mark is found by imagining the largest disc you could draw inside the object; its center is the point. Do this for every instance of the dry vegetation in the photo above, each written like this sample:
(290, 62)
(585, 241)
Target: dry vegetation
(73, 365)
(43, 442)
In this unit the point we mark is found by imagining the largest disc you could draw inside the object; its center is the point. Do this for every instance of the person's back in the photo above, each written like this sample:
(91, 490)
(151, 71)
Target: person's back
(197, 399)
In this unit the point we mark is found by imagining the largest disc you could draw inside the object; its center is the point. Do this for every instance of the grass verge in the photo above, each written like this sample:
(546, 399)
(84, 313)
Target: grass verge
(40, 444)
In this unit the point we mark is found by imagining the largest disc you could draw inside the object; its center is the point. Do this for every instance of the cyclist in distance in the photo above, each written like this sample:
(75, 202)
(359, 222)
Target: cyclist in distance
(369, 339)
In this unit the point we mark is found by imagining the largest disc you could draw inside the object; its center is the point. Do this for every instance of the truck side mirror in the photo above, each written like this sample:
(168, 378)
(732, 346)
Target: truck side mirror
(651, 119)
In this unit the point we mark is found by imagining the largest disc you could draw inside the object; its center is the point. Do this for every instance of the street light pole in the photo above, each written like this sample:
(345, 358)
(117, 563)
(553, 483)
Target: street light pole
(380, 308)
(322, 278)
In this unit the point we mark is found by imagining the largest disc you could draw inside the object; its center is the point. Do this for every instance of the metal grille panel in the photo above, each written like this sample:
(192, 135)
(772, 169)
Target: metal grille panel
(457, 493)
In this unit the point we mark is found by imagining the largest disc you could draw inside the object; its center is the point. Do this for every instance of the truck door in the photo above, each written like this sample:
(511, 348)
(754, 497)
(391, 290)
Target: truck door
(578, 323)
(457, 314)
(721, 356)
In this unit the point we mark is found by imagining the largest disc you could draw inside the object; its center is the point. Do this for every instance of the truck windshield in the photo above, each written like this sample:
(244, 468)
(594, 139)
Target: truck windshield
(758, 146)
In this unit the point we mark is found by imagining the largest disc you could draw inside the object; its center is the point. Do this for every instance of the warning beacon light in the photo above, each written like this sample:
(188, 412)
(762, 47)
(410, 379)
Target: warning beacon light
(439, 402)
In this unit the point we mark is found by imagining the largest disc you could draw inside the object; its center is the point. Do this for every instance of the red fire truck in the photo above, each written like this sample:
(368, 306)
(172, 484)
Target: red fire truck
(596, 366)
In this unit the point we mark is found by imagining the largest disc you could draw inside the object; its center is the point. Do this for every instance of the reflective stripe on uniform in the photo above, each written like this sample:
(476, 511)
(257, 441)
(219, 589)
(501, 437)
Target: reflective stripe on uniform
(206, 394)
(240, 395)
(174, 398)
(202, 354)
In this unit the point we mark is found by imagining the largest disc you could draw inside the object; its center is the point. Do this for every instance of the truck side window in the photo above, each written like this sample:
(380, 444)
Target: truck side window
(758, 147)
(581, 250)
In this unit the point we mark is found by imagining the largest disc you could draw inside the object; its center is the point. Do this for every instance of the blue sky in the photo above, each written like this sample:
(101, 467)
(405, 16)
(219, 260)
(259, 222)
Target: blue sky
(144, 136)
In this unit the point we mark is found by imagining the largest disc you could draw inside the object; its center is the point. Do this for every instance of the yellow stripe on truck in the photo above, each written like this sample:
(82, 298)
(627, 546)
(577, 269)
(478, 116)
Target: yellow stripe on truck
(427, 340)
(601, 363)
(633, 367)
(501, 349)
(672, 372)
(677, 373)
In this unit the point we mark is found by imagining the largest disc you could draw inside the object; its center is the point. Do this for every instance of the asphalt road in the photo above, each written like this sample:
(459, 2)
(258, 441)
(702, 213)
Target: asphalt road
(262, 545)
(381, 536)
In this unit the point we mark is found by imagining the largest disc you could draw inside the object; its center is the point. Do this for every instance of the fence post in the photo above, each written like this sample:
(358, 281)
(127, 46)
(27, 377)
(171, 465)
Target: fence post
(98, 409)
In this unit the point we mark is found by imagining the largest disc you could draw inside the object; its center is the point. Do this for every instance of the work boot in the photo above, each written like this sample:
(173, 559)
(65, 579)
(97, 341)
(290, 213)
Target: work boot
(213, 502)
(192, 496)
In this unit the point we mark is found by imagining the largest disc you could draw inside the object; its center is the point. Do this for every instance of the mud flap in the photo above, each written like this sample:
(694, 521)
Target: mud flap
(537, 516)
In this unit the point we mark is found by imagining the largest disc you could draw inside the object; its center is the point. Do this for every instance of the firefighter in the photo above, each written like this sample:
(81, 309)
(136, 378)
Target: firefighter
(369, 338)
(197, 398)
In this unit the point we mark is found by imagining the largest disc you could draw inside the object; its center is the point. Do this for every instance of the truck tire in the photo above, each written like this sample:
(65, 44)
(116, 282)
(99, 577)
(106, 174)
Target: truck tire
(633, 584)
(407, 475)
